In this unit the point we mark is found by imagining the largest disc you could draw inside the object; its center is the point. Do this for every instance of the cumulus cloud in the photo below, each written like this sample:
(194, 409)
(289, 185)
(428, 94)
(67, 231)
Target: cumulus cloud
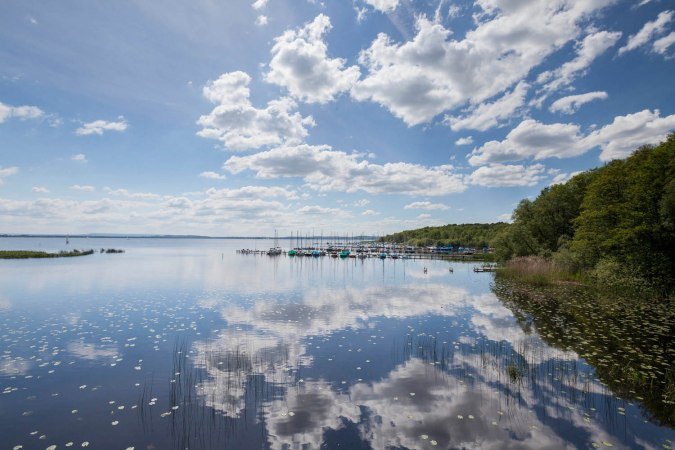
(241, 126)
(432, 73)
(80, 157)
(369, 212)
(40, 190)
(300, 63)
(571, 103)
(212, 175)
(464, 141)
(503, 175)
(489, 115)
(98, 127)
(83, 188)
(648, 32)
(325, 169)
(6, 172)
(261, 20)
(19, 112)
(383, 5)
(533, 139)
(626, 133)
(428, 206)
(259, 4)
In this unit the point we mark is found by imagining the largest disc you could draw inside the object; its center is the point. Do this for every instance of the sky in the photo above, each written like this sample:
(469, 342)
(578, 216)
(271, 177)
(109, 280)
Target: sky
(239, 117)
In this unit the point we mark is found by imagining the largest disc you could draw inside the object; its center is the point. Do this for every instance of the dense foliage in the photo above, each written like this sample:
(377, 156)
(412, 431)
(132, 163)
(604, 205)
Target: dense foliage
(615, 223)
(464, 235)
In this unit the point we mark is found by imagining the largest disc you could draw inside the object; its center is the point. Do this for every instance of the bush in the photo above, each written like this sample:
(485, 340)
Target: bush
(619, 279)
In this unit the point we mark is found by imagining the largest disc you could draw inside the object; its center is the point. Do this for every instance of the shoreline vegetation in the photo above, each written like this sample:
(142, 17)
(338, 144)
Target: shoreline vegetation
(611, 228)
(31, 254)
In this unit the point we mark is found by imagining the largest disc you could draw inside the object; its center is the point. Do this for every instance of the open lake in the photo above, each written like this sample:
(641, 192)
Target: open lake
(183, 343)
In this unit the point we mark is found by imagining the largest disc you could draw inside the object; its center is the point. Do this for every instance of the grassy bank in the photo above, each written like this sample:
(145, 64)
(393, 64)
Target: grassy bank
(26, 254)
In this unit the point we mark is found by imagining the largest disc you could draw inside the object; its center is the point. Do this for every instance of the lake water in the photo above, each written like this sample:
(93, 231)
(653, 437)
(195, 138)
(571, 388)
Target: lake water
(182, 343)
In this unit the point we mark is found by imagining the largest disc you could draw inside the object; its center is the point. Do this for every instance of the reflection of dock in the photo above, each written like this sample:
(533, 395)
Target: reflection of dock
(377, 255)
(485, 268)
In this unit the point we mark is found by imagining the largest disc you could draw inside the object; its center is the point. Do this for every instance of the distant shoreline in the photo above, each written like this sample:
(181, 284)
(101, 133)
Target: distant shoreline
(153, 236)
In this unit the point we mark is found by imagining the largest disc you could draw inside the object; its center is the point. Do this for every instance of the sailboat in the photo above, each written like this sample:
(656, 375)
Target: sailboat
(276, 250)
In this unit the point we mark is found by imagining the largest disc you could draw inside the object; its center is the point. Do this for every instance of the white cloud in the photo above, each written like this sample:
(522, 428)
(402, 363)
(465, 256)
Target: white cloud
(383, 5)
(6, 172)
(361, 203)
(252, 192)
(19, 112)
(432, 73)
(325, 169)
(369, 212)
(647, 32)
(424, 216)
(300, 63)
(592, 46)
(259, 4)
(80, 157)
(83, 188)
(241, 126)
(506, 217)
(626, 133)
(464, 141)
(261, 20)
(212, 175)
(98, 127)
(662, 45)
(126, 193)
(532, 139)
(571, 103)
(315, 209)
(503, 175)
(40, 190)
(427, 206)
(489, 115)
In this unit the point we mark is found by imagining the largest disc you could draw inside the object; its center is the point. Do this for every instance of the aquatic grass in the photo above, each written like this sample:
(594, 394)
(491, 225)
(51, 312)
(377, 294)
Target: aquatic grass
(26, 254)
(630, 345)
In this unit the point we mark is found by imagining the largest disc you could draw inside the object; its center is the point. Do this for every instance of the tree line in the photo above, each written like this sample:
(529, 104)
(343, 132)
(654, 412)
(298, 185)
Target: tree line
(476, 235)
(614, 224)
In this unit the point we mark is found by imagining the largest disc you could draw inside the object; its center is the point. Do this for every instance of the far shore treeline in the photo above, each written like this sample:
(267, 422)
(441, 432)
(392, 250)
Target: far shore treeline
(476, 235)
(613, 226)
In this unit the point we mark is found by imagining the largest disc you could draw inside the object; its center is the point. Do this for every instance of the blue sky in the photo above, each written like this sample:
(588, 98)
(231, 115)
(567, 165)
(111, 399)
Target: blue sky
(239, 117)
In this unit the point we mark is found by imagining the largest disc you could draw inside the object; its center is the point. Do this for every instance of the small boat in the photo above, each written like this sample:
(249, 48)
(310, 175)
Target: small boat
(382, 255)
(334, 255)
(291, 252)
(344, 254)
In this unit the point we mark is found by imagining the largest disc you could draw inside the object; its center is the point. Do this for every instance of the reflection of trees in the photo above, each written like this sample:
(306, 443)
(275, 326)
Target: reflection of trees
(631, 347)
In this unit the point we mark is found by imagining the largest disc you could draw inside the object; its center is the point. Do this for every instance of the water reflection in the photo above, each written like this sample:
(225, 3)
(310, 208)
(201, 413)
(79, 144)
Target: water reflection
(193, 346)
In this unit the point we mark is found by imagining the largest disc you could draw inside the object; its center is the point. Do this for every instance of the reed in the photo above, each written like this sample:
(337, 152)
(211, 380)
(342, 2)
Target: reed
(535, 270)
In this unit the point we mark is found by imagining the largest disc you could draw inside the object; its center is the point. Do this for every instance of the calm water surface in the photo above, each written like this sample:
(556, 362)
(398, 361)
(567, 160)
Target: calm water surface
(185, 344)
